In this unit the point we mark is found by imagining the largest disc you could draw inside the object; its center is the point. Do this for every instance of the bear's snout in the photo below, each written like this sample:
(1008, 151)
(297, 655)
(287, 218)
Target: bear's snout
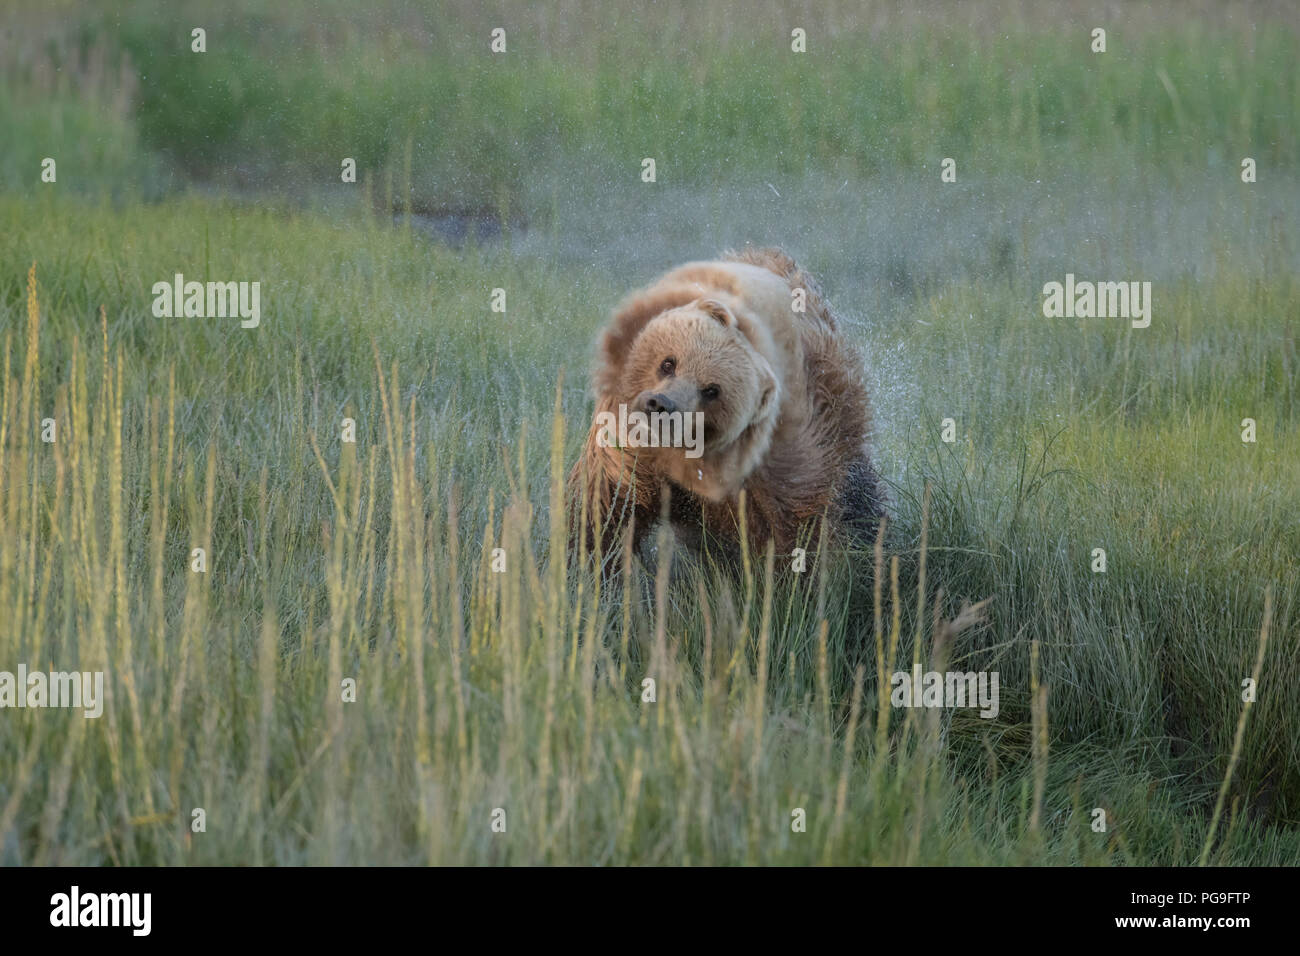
(652, 402)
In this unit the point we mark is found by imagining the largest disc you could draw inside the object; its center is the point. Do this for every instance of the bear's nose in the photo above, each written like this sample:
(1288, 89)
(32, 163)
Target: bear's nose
(659, 402)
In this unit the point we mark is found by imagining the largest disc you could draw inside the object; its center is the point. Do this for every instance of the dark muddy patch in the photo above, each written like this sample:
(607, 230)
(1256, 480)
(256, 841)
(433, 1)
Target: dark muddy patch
(460, 227)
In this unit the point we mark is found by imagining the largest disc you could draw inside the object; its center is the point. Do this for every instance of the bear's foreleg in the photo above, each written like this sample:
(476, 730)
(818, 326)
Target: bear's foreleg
(608, 497)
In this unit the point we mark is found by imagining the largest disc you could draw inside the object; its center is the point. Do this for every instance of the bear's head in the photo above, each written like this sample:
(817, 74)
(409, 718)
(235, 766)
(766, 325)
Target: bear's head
(695, 358)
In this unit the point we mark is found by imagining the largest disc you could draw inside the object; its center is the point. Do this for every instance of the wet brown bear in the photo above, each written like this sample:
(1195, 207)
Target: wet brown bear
(747, 346)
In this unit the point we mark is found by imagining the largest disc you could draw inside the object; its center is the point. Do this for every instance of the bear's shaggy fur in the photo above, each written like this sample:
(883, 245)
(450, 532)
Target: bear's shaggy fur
(786, 417)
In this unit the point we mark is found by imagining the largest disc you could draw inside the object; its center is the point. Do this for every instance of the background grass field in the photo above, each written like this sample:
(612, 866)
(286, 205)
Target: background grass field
(522, 690)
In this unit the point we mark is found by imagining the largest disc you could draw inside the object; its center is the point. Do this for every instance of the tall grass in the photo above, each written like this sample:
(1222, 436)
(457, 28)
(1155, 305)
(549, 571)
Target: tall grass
(476, 690)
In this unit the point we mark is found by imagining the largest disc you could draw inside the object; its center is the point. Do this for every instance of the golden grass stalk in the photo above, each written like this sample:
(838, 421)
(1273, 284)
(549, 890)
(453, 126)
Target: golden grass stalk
(1255, 675)
(1038, 718)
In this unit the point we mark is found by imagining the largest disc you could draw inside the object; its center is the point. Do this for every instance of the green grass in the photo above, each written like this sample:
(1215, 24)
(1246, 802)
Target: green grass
(411, 92)
(522, 690)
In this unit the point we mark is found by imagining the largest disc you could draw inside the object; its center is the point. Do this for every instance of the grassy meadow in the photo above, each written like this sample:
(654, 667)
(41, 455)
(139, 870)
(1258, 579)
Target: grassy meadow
(521, 691)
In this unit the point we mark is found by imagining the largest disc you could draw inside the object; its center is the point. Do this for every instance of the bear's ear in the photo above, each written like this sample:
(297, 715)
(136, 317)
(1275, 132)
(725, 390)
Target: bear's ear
(716, 309)
(769, 392)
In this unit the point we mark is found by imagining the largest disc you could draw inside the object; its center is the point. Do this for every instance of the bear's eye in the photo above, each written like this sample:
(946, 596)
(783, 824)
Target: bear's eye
(710, 392)
(668, 366)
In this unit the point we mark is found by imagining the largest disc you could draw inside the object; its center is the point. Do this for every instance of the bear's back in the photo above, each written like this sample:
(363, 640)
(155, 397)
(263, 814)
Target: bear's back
(759, 289)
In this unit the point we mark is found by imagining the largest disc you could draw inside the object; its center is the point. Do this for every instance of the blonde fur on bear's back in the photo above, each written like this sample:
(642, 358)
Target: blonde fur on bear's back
(776, 261)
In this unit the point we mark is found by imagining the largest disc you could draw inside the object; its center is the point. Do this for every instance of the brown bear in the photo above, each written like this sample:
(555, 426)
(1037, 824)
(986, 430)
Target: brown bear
(746, 349)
